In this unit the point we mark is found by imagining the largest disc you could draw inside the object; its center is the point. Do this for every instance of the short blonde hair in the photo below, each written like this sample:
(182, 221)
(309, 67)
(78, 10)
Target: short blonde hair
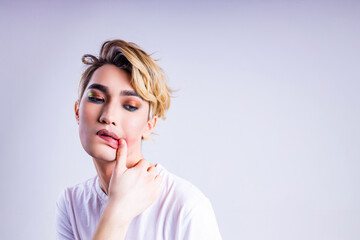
(147, 78)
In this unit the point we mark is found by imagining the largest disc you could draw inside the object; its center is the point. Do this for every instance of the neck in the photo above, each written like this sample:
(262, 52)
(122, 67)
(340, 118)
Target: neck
(105, 169)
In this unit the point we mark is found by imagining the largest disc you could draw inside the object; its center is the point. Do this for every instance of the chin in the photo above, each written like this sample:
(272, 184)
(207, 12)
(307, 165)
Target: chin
(102, 152)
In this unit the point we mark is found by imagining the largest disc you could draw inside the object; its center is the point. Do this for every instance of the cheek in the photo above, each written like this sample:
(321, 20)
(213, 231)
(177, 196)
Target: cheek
(134, 130)
(87, 115)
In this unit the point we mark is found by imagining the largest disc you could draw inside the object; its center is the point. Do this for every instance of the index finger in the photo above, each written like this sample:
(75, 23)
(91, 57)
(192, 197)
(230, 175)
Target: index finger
(121, 156)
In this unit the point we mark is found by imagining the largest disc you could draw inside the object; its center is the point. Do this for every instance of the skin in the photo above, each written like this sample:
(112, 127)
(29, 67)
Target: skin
(130, 181)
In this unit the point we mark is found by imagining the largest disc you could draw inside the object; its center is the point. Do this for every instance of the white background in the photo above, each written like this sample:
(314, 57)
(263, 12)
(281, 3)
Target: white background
(265, 122)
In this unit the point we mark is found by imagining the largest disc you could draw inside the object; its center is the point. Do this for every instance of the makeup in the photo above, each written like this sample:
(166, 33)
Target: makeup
(110, 141)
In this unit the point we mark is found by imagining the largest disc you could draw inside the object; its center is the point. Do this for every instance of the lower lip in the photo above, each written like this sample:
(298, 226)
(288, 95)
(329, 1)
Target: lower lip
(110, 141)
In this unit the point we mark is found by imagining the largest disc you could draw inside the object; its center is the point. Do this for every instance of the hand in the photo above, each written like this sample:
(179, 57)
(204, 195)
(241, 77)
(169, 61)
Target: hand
(132, 190)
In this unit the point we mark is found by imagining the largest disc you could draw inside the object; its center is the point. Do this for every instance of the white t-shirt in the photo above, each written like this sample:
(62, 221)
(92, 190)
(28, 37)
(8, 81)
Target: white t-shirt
(180, 212)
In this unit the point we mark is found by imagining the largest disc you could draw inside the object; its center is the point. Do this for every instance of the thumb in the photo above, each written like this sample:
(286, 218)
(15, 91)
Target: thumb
(121, 156)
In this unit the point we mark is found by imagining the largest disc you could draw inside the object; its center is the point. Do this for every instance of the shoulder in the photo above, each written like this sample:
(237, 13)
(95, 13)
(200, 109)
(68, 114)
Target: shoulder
(180, 192)
(66, 204)
(77, 193)
(188, 210)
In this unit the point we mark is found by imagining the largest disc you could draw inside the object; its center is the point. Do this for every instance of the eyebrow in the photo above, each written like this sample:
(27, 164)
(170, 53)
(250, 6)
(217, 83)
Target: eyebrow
(105, 90)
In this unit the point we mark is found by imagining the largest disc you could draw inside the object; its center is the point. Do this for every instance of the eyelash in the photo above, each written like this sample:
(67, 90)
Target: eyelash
(127, 107)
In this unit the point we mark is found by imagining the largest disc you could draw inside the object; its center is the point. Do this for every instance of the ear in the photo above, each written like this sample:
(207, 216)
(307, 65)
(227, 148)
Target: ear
(77, 106)
(150, 126)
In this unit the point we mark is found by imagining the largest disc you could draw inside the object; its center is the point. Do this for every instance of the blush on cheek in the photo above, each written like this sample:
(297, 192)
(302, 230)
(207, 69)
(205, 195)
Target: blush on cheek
(133, 145)
(130, 142)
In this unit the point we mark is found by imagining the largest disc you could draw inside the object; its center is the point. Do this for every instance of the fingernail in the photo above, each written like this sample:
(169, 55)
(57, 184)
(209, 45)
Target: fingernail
(156, 165)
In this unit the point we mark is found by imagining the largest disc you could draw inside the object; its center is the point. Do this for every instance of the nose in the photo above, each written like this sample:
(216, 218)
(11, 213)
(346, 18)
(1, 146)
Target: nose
(110, 114)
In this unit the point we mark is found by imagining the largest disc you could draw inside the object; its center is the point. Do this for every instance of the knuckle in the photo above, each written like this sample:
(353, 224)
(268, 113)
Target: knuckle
(143, 162)
(152, 170)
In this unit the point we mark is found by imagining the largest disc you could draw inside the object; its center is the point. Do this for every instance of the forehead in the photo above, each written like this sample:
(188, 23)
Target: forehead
(112, 81)
(111, 76)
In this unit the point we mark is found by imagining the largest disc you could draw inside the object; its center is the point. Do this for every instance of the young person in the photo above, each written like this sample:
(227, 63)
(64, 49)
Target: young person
(122, 93)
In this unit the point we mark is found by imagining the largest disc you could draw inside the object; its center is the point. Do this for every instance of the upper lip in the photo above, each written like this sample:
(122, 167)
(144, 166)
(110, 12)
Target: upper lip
(107, 133)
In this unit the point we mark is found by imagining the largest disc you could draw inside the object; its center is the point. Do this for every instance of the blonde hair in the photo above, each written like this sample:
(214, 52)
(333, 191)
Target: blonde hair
(147, 78)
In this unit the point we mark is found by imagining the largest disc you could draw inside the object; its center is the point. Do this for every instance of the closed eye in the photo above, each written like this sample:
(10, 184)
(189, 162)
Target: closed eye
(130, 108)
(96, 100)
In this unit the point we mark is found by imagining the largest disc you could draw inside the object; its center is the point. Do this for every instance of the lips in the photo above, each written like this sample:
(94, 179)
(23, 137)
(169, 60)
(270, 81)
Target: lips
(104, 132)
(110, 138)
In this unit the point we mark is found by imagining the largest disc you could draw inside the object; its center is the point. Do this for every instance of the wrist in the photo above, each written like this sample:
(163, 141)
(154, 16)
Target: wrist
(114, 213)
(106, 229)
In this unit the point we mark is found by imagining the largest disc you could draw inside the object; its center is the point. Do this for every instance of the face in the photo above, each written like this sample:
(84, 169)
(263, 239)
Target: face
(109, 102)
